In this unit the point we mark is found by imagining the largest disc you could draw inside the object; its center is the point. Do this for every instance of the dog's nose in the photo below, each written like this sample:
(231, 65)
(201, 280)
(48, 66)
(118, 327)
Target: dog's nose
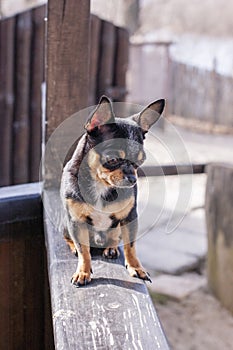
(132, 178)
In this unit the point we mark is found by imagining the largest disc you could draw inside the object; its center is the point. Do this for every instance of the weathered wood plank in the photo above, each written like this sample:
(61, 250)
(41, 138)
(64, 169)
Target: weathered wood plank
(219, 218)
(37, 77)
(113, 312)
(67, 60)
(94, 58)
(121, 62)
(107, 58)
(21, 108)
(6, 98)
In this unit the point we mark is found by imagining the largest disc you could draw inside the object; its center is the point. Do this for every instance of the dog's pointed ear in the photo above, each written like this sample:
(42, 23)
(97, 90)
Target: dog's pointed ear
(103, 114)
(150, 114)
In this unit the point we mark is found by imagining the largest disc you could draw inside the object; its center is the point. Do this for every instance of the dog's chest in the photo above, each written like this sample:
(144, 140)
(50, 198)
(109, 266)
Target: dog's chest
(100, 216)
(101, 219)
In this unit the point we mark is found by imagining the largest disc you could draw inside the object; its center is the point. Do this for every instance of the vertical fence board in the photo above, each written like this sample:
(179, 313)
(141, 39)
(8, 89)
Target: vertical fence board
(121, 62)
(37, 75)
(5, 283)
(12, 291)
(94, 58)
(107, 56)
(22, 89)
(34, 289)
(6, 97)
(25, 321)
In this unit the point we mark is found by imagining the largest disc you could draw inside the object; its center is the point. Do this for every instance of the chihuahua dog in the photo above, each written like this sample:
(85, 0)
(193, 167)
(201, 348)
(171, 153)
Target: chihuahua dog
(99, 187)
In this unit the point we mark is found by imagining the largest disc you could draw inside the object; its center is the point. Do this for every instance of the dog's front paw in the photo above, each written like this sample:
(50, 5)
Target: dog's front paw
(138, 272)
(111, 253)
(81, 278)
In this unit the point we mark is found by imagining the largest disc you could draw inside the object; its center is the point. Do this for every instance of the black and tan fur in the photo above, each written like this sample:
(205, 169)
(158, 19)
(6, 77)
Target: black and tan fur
(99, 190)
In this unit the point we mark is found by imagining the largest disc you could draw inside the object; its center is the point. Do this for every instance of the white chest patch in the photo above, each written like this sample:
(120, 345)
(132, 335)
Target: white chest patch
(101, 220)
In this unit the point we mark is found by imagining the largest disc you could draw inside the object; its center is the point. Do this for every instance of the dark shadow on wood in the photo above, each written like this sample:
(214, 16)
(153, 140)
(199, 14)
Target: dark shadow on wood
(25, 308)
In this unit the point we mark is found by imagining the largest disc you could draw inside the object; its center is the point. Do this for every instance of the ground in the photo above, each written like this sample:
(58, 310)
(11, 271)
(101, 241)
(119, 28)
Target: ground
(197, 322)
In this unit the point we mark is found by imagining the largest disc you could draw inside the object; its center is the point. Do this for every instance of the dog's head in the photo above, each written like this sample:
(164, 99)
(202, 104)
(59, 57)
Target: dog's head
(117, 143)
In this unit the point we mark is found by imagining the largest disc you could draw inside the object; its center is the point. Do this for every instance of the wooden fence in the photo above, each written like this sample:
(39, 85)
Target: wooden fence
(201, 95)
(26, 320)
(22, 73)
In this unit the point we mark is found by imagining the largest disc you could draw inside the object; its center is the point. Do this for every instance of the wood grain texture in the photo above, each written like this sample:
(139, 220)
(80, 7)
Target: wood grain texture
(113, 312)
(24, 301)
(6, 98)
(121, 62)
(219, 219)
(94, 58)
(67, 59)
(107, 58)
(37, 77)
(21, 108)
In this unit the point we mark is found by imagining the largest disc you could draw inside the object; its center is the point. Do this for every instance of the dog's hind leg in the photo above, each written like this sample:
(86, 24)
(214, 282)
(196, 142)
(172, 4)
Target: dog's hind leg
(70, 242)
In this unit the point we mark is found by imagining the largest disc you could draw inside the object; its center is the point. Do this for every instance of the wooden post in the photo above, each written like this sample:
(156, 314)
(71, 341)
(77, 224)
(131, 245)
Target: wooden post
(67, 60)
(219, 209)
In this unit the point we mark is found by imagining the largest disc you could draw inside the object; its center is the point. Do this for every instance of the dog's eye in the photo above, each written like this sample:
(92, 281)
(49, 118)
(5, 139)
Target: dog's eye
(112, 161)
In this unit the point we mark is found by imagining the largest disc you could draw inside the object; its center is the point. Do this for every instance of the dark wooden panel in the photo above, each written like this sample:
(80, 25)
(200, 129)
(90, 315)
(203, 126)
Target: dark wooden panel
(94, 58)
(22, 286)
(37, 76)
(107, 58)
(21, 108)
(67, 59)
(6, 97)
(121, 63)
(24, 301)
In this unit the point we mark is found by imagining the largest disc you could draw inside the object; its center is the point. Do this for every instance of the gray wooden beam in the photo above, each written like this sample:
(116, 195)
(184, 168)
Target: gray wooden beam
(113, 312)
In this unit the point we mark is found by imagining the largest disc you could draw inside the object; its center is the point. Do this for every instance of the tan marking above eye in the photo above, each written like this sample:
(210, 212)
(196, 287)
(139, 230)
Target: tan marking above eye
(93, 159)
(122, 154)
(140, 156)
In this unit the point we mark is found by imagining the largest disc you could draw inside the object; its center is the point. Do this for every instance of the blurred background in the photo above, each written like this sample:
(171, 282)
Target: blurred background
(140, 51)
